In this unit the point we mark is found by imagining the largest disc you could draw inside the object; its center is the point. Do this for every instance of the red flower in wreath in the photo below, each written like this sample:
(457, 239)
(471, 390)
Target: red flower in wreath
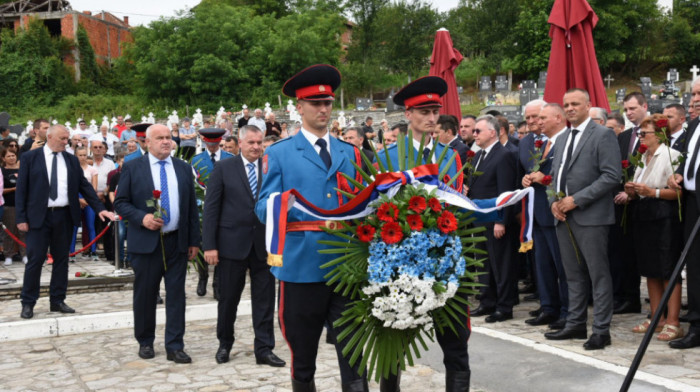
(643, 148)
(546, 180)
(156, 194)
(417, 204)
(539, 144)
(415, 222)
(470, 154)
(365, 233)
(447, 222)
(388, 212)
(661, 123)
(391, 233)
(625, 164)
(435, 204)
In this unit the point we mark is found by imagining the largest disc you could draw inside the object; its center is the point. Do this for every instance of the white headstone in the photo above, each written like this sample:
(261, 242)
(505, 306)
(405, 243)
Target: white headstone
(151, 119)
(341, 120)
(112, 123)
(143, 119)
(128, 116)
(68, 125)
(219, 115)
(54, 122)
(197, 119)
(30, 125)
(695, 70)
(245, 106)
(105, 121)
(267, 109)
(93, 126)
(290, 106)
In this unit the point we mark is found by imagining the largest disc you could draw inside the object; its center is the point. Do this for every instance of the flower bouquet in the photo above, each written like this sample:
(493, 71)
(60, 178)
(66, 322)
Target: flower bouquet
(405, 265)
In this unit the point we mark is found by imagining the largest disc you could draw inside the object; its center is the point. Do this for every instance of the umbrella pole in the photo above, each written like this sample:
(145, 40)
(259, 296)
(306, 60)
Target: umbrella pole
(659, 311)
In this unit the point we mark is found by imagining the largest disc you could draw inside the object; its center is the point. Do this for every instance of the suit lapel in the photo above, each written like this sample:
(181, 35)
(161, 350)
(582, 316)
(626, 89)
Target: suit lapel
(337, 156)
(587, 133)
(243, 173)
(146, 170)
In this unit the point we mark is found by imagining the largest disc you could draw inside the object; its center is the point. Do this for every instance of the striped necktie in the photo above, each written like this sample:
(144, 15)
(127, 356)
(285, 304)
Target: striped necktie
(164, 195)
(252, 179)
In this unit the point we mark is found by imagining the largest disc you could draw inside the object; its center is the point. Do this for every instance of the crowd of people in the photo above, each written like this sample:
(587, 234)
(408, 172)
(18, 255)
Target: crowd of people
(627, 197)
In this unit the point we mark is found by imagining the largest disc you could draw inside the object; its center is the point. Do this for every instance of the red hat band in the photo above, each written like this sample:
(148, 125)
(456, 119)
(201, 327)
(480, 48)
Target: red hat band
(423, 99)
(211, 140)
(312, 91)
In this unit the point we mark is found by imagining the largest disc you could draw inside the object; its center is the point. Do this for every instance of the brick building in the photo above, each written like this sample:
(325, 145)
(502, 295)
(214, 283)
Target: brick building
(105, 31)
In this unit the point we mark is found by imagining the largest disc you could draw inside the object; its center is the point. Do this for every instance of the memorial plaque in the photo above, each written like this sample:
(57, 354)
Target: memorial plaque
(363, 103)
(501, 83)
(390, 105)
(646, 86)
(5, 119)
(527, 95)
(669, 90)
(620, 94)
(686, 99)
(485, 84)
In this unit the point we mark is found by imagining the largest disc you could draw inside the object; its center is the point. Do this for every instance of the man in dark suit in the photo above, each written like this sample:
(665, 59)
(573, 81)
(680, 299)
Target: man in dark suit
(234, 240)
(685, 179)
(356, 136)
(160, 245)
(446, 129)
(586, 170)
(623, 267)
(497, 165)
(551, 278)
(47, 208)
(676, 118)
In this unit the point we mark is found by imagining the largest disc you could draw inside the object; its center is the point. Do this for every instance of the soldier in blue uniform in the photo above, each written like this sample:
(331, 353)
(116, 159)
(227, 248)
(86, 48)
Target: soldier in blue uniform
(309, 162)
(423, 100)
(203, 164)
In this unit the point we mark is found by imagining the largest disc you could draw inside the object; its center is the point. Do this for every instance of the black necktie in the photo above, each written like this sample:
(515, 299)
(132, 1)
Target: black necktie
(567, 161)
(691, 164)
(213, 157)
(633, 142)
(53, 192)
(426, 155)
(481, 159)
(325, 156)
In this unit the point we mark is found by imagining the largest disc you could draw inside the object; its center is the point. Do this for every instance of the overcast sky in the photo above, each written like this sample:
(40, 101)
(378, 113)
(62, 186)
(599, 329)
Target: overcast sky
(143, 12)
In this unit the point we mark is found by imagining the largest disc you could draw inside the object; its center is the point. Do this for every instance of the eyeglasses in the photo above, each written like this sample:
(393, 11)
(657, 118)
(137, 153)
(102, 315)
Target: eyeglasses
(643, 133)
(478, 131)
(12, 145)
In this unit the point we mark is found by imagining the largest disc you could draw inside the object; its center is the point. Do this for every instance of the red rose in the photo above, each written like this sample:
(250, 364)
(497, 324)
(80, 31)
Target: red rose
(388, 212)
(643, 148)
(447, 222)
(417, 204)
(156, 194)
(435, 204)
(365, 233)
(625, 164)
(391, 233)
(546, 180)
(78, 274)
(470, 154)
(415, 222)
(661, 123)
(539, 144)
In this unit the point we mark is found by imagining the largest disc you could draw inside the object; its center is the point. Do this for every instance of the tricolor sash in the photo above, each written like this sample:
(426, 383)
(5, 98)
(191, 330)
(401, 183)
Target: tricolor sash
(486, 210)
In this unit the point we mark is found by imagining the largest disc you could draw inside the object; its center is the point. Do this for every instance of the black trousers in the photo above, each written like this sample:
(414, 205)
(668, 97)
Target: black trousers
(56, 234)
(148, 271)
(304, 308)
(262, 289)
(500, 290)
(692, 213)
(455, 345)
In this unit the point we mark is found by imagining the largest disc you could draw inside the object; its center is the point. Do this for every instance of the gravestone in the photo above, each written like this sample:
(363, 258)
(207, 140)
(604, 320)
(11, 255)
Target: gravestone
(672, 75)
(694, 71)
(620, 94)
(655, 106)
(609, 79)
(669, 90)
(144, 119)
(105, 122)
(16, 129)
(485, 84)
(267, 109)
(363, 103)
(151, 119)
(390, 105)
(501, 83)
(341, 120)
(5, 119)
(646, 86)
(69, 126)
(686, 100)
(512, 112)
(290, 106)
(528, 92)
(93, 126)
(542, 81)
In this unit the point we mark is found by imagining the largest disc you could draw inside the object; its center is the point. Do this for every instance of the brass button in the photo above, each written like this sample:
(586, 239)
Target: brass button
(328, 195)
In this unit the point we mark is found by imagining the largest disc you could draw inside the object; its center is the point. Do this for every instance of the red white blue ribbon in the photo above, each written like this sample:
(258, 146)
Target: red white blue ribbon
(486, 210)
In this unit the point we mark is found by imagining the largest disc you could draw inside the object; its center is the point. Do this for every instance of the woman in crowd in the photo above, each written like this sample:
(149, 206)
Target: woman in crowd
(176, 137)
(654, 223)
(10, 167)
(88, 213)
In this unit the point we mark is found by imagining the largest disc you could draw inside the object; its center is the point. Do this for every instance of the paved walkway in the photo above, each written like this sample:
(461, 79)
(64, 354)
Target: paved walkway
(94, 349)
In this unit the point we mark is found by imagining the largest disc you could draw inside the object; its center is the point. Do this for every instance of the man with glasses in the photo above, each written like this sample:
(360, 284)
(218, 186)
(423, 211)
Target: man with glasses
(107, 138)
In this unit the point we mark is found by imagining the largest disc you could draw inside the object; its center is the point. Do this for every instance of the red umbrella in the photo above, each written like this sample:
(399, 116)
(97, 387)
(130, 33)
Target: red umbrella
(572, 61)
(443, 63)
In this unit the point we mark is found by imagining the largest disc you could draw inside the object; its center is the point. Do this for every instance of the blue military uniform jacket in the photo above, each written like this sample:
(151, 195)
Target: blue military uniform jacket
(451, 172)
(203, 165)
(293, 163)
(133, 155)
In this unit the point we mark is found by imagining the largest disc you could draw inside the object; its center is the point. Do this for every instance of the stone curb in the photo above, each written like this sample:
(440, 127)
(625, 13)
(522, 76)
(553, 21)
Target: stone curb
(78, 324)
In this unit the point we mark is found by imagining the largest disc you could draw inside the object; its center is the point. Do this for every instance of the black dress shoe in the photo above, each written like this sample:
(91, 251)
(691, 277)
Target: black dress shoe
(222, 355)
(61, 307)
(202, 287)
(146, 352)
(270, 359)
(683, 318)
(531, 297)
(179, 356)
(628, 307)
(499, 316)
(27, 311)
(542, 319)
(597, 342)
(559, 324)
(692, 339)
(481, 311)
(536, 312)
(567, 333)
(527, 289)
